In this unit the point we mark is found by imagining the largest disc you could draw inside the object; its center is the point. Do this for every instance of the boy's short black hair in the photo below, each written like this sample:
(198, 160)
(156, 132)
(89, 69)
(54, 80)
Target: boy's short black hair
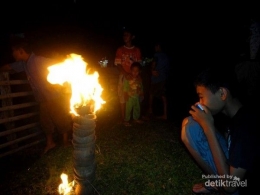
(136, 64)
(216, 77)
(17, 42)
(129, 29)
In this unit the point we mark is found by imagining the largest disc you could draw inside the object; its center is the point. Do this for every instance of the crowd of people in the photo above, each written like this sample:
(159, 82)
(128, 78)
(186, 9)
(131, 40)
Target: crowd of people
(226, 148)
(132, 88)
(129, 54)
(221, 134)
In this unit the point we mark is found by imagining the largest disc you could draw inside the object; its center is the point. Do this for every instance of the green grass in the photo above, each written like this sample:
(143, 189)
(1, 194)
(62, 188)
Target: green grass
(146, 159)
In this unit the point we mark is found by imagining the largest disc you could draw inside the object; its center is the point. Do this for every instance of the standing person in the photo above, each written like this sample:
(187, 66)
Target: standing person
(248, 71)
(160, 70)
(125, 56)
(225, 155)
(133, 91)
(254, 42)
(53, 113)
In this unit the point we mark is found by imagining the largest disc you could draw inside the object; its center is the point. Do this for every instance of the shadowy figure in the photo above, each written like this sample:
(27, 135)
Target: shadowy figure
(54, 116)
(159, 74)
(248, 70)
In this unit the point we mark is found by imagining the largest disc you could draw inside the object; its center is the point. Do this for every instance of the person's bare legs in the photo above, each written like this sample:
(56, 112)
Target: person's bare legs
(197, 188)
(49, 143)
(164, 116)
(66, 141)
(122, 105)
(201, 163)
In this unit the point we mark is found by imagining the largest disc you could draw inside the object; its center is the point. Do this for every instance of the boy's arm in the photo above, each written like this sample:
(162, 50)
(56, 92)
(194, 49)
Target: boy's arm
(139, 55)
(118, 55)
(13, 67)
(118, 62)
(220, 159)
(207, 123)
(6, 68)
(154, 72)
(122, 70)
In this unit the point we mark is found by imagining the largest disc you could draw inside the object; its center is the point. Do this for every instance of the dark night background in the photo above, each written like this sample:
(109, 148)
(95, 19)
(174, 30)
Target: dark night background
(195, 36)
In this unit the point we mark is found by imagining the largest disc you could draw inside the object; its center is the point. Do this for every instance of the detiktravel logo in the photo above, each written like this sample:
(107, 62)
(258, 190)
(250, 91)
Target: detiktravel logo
(224, 181)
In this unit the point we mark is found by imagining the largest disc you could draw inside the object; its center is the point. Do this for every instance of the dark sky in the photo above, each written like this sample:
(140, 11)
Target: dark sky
(95, 26)
(196, 35)
(190, 30)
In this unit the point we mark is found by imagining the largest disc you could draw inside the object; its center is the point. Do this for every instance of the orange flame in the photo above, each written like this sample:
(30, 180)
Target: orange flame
(85, 87)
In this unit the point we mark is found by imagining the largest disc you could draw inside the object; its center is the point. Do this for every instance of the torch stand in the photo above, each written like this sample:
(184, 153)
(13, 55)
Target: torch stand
(84, 153)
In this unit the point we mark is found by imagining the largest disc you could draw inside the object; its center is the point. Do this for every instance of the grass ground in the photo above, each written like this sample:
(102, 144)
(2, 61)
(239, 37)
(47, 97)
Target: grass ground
(144, 159)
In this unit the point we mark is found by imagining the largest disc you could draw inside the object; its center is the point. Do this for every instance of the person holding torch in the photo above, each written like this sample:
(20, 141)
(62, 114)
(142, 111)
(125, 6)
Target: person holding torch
(54, 112)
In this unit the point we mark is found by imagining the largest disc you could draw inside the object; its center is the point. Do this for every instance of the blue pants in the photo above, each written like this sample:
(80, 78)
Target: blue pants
(198, 141)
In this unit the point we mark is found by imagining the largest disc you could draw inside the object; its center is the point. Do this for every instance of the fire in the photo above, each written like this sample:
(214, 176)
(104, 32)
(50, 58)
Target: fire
(85, 88)
(65, 187)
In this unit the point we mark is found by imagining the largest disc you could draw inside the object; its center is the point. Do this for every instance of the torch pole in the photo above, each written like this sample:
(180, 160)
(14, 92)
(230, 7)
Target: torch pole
(84, 164)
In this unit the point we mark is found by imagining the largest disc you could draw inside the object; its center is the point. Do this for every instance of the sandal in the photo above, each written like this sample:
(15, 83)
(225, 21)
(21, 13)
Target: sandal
(203, 189)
